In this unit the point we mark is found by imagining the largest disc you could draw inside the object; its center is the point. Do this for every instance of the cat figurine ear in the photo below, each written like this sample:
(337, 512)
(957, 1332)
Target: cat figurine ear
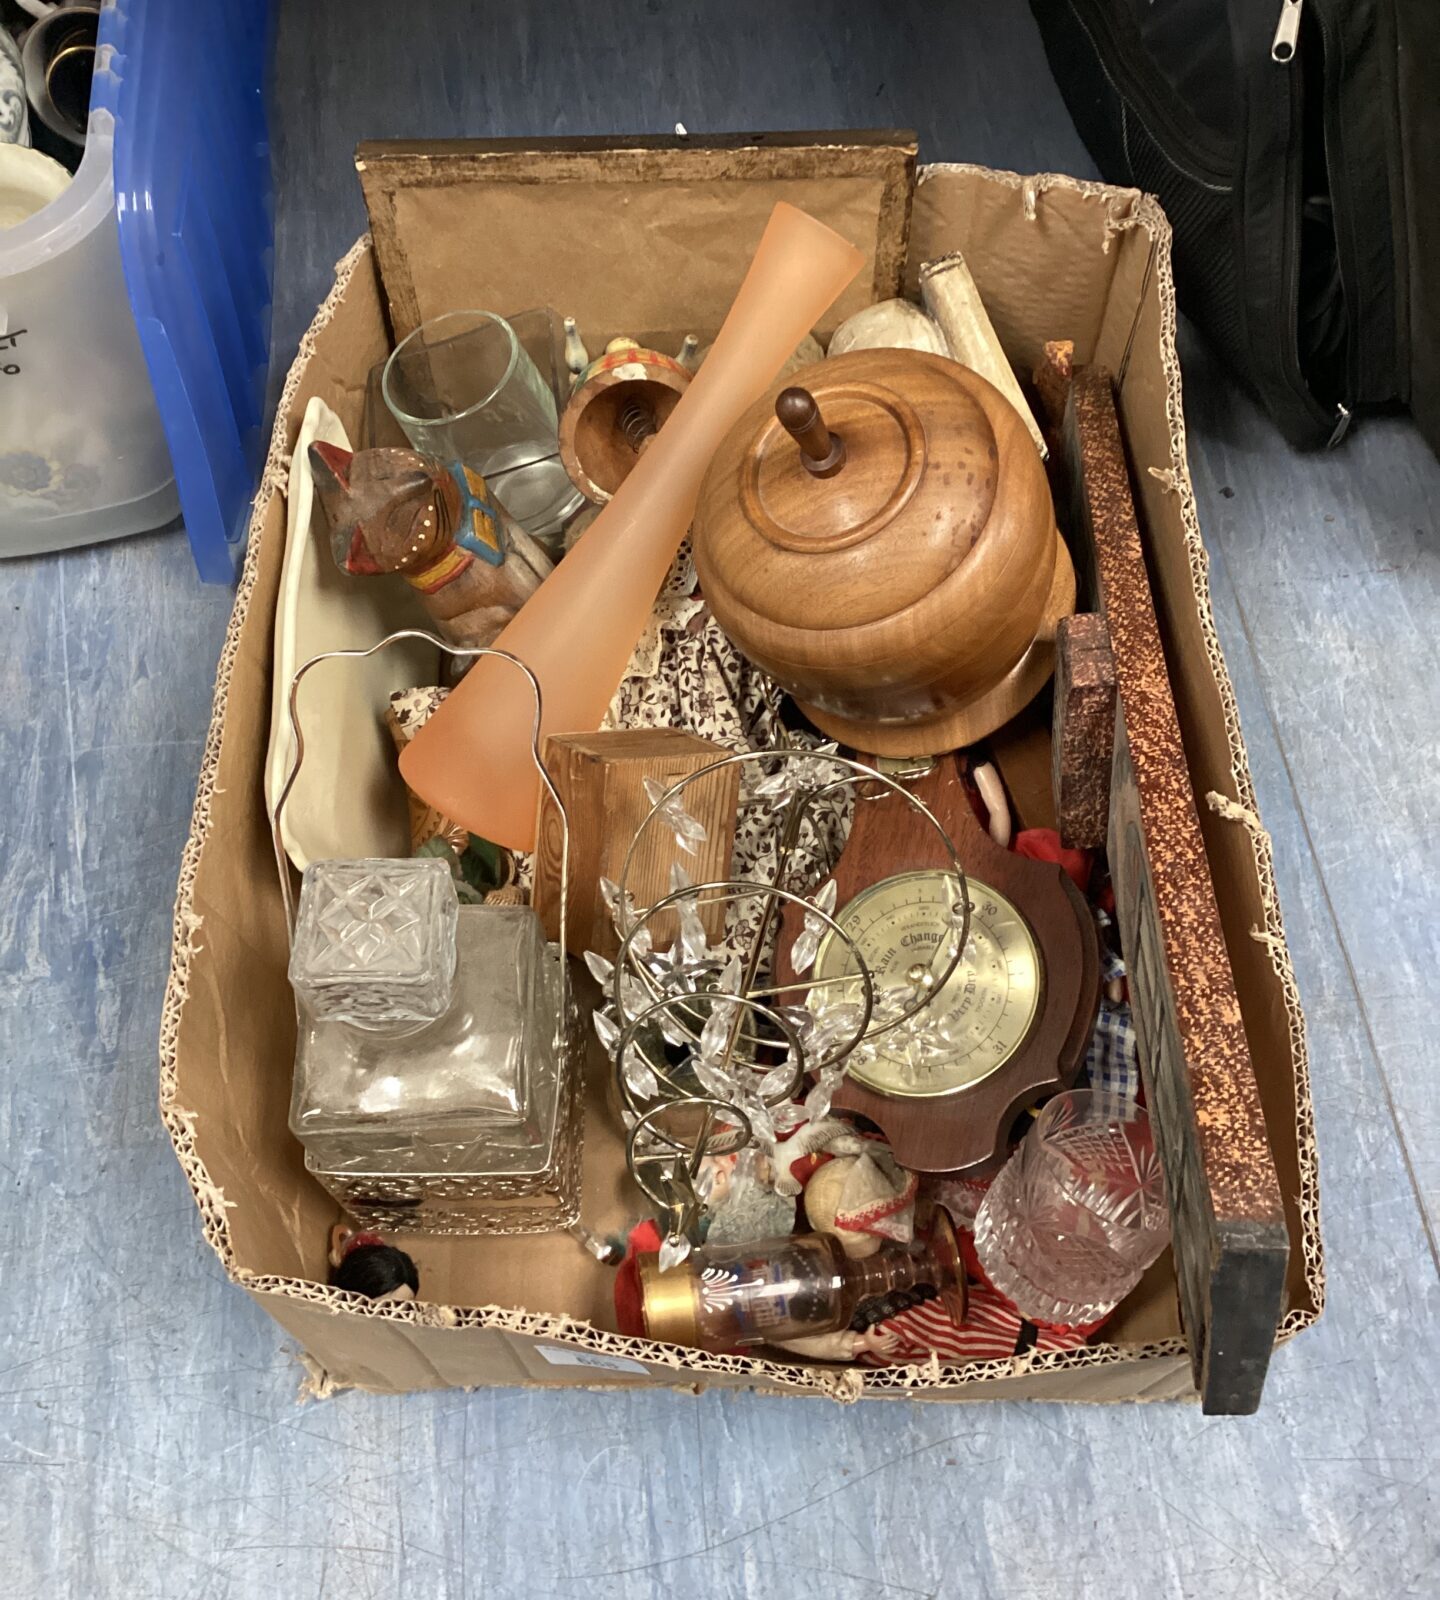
(437, 526)
(382, 507)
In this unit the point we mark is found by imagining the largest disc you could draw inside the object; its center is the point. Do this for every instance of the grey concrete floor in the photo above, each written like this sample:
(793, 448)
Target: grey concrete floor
(149, 1435)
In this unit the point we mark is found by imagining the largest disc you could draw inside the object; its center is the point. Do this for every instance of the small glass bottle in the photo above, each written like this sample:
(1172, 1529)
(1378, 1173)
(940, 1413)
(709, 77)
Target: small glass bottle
(791, 1288)
(427, 1074)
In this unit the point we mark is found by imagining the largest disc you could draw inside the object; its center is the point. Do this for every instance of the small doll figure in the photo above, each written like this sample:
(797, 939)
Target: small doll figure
(741, 1204)
(365, 1264)
(854, 1189)
(862, 1199)
(874, 1345)
(437, 525)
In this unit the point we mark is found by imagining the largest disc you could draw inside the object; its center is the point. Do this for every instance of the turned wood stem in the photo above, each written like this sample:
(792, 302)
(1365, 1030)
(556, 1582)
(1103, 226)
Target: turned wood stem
(822, 452)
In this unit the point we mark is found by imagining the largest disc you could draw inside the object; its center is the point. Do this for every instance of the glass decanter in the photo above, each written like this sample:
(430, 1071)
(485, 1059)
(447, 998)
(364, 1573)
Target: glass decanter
(726, 1296)
(427, 1064)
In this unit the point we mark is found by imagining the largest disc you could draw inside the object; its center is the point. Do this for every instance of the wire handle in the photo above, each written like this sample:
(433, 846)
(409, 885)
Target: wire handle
(472, 653)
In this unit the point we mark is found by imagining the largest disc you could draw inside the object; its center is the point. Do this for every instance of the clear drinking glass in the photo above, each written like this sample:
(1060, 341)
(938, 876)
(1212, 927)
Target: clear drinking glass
(464, 388)
(1078, 1212)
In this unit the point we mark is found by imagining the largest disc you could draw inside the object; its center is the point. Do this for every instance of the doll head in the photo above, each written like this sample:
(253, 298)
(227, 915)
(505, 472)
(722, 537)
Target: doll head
(824, 1194)
(378, 1271)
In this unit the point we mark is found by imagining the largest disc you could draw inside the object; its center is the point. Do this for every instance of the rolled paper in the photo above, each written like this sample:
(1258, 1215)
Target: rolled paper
(472, 760)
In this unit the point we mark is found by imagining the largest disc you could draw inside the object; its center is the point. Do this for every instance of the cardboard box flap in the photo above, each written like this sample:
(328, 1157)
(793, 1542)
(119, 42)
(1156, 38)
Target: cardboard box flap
(506, 224)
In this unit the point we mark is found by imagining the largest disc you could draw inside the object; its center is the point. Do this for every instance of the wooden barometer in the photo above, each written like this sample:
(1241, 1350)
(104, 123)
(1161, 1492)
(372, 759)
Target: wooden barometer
(1008, 1025)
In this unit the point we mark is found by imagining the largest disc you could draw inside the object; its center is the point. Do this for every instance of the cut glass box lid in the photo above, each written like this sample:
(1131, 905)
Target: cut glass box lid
(375, 942)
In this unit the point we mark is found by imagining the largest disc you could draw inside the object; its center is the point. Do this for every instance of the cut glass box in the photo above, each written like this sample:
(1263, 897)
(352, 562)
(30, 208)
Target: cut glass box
(432, 1087)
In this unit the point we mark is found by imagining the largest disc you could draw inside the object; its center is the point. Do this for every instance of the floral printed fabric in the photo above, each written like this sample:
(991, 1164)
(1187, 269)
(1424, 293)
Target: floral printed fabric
(686, 673)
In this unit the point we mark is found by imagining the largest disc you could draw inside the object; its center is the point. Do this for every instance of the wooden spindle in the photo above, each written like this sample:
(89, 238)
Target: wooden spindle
(822, 452)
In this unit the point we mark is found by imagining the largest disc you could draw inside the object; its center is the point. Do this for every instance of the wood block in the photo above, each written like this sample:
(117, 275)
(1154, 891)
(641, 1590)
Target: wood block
(600, 777)
(1082, 744)
(1052, 381)
(1227, 1213)
(1021, 751)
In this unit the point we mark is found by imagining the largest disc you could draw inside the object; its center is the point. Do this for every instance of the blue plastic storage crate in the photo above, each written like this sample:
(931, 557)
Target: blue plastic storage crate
(157, 257)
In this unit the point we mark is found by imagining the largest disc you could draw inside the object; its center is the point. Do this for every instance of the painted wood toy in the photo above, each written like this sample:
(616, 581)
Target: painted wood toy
(620, 402)
(880, 538)
(437, 526)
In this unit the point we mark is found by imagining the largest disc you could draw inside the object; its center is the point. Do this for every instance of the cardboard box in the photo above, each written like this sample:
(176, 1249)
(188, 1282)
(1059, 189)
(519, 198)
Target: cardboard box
(1053, 258)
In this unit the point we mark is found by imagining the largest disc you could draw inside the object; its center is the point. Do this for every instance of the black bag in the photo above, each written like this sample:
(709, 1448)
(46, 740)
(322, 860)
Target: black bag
(1295, 147)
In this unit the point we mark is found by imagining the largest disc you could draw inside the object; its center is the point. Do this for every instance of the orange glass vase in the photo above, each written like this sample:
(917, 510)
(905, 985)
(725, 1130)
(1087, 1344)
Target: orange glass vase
(577, 631)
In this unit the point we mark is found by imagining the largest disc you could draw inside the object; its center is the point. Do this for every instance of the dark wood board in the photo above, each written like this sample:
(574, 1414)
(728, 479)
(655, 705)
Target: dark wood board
(1230, 1241)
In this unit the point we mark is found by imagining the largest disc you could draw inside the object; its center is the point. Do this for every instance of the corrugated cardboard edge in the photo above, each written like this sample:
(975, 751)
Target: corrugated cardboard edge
(693, 1368)
(1126, 208)
(1243, 810)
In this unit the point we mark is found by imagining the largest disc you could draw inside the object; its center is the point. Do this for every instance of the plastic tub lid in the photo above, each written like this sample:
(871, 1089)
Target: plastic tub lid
(184, 82)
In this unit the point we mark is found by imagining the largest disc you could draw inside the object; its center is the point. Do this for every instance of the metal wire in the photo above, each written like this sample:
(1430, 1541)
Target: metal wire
(667, 1175)
(472, 653)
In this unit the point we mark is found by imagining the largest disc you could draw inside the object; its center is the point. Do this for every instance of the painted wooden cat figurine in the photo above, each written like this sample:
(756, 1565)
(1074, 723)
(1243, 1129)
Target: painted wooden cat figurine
(435, 524)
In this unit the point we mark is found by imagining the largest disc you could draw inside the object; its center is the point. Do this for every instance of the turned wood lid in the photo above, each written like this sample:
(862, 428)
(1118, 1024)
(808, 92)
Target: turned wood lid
(916, 490)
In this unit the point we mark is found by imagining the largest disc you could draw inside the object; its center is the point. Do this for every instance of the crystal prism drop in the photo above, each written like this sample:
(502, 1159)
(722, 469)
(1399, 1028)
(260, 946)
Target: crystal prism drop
(694, 943)
(639, 1076)
(689, 831)
(673, 1250)
(715, 1035)
(607, 1030)
(817, 1102)
(805, 948)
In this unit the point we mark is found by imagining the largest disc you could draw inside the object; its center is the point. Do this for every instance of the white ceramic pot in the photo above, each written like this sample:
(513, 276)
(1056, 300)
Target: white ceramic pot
(14, 114)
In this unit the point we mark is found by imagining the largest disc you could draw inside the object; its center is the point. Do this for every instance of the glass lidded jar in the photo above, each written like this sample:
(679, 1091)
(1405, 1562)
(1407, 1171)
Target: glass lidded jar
(429, 1057)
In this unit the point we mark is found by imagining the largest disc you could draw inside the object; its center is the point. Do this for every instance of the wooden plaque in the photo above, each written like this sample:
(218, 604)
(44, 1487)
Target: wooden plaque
(563, 215)
(1230, 1242)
